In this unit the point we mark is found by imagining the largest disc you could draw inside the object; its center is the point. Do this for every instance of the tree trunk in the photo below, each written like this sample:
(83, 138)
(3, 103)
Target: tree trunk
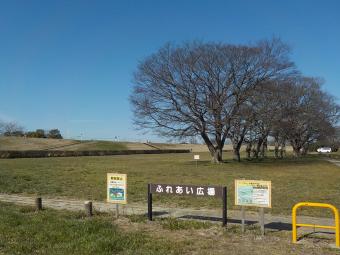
(282, 149)
(217, 155)
(236, 149)
(276, 150)
(248, 150)
(304, 150)
(258, 147)
(264, 148)
(297, 151)
(215, 151)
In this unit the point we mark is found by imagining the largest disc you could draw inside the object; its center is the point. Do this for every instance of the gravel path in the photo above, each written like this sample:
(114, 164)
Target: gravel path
(274, 222)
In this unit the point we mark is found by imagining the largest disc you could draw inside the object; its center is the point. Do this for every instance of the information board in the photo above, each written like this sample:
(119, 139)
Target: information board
(116, 188)
(253, 193)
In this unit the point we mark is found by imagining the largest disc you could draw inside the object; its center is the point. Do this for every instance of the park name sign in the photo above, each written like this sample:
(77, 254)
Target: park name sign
(116, 188)
(253, 193)
(188, 190)
(170, 189)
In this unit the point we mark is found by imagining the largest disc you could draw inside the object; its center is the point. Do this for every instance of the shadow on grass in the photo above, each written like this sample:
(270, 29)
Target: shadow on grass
(316, 234)
(278, 226)
(309, 159)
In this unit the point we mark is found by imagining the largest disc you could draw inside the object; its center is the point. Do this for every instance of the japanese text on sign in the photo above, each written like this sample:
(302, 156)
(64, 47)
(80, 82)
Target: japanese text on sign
(253, 193)
(171, 189)
(116, 188)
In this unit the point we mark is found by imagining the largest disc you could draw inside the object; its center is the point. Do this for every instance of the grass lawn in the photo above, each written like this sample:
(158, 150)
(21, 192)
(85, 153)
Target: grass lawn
(24, 231)
(293, 180)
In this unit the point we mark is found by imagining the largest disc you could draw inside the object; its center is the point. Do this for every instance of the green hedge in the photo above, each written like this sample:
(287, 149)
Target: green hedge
(45, 154)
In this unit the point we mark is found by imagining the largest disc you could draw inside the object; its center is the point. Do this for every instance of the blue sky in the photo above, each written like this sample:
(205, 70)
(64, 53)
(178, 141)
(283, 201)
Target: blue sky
(69, 64)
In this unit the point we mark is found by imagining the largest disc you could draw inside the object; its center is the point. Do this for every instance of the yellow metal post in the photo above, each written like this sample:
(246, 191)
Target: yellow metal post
(322, 205)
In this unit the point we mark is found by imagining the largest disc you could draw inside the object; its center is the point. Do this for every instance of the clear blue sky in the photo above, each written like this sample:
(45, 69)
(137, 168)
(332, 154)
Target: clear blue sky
(69, 64)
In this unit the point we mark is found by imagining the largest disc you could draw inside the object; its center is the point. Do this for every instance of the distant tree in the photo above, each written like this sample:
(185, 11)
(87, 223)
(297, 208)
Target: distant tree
(30, 134)
(40, 133)
(197, 89)
(308, 114)
(54, 134)
(2, 127)
(12, 129)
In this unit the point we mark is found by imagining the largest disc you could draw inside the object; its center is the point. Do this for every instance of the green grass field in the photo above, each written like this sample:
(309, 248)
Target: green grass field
(24, 231)
(293, 180)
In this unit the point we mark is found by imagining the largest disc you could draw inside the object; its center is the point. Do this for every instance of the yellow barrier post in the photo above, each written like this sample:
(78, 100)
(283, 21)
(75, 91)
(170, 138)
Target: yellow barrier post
(322, 205)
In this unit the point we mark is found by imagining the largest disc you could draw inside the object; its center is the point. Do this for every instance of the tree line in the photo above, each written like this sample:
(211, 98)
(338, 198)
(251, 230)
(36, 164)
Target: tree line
(13, 129)
(248, 94)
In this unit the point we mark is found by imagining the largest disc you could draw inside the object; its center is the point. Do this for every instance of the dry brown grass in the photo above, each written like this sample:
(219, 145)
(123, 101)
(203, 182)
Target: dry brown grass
(220, 241)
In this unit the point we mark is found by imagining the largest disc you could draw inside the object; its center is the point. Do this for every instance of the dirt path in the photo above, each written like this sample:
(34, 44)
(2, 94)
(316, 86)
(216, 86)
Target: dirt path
(275, 222)
(334, 161)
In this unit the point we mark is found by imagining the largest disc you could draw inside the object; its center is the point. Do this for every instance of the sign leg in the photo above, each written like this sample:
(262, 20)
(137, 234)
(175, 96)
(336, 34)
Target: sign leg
(117, 211)
(149, 203)
(262, 220)
(224, 200)
(243, 216)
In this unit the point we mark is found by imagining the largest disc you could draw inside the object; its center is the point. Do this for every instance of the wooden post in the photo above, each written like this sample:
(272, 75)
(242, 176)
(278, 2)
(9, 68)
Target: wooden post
(262, 221)
(38, 203)
(224, 200)
(117, 211)
(243, 218)
(88, 208)
(149, 203)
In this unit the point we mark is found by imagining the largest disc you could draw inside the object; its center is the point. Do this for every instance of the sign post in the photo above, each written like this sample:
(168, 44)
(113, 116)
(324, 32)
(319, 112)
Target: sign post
(117, 190)
(149, 202)
(196, 158)
(253, 193)
(262, 220)
(243, 218)
(188, 190)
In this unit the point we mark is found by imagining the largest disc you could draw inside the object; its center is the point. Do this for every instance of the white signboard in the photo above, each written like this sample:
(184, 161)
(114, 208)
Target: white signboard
(196, 157)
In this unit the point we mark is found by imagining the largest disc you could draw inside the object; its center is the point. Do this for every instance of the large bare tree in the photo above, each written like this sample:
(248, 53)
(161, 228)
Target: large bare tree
(198, 88)
(308, 113)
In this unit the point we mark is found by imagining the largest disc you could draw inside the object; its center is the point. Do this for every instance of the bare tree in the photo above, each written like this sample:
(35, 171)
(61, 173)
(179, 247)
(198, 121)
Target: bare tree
(12, 129)
(266, 104)
(309, 113)
(240, 126)
(2, 127)
(198, 88)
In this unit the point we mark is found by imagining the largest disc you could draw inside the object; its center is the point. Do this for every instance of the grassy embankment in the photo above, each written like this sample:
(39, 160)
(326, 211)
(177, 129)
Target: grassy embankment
(21, 143)
(293, 180)
(24, 231)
